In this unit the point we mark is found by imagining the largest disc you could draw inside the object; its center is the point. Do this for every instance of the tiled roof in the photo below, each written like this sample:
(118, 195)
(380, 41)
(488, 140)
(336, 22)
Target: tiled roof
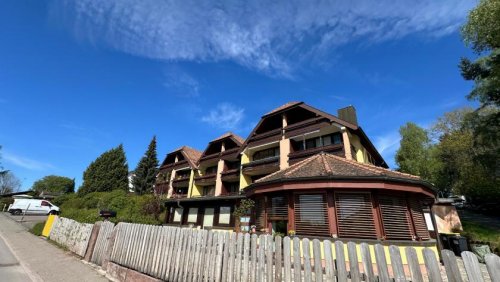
(282, 107)
(193, 154)
(328, 165)
(230, 134)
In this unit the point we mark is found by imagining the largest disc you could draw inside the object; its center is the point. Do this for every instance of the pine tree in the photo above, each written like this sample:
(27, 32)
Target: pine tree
(147, 168)
(108, 172)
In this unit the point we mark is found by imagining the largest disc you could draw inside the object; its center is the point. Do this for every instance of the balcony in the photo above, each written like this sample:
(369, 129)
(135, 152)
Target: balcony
(205, 180)
(337, 149)
(266, 137)
(264, 166)
(209, 157)
(181, 181)
(231, 175)
(176, 165)
(179, 196)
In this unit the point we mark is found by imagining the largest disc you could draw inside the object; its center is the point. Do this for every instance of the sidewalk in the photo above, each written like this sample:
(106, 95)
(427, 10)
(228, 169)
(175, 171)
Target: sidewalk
(42, 261)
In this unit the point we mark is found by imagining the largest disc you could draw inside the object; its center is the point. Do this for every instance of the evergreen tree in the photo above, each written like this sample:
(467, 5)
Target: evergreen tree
(108, 172)
(147, 168)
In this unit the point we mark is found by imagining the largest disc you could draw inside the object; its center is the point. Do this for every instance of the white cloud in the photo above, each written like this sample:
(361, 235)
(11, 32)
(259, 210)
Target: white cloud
(181, 83)
(273, 37)
(225, 116)
(26, 163)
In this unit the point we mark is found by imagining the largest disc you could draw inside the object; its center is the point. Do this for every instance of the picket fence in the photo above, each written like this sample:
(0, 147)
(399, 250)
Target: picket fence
(186, 254)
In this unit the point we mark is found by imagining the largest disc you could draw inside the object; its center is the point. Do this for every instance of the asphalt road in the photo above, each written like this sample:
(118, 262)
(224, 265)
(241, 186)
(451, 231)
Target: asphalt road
(10, 269)
(28, 220)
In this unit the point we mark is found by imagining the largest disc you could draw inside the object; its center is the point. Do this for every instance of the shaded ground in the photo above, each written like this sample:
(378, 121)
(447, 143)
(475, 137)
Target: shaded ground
(485, 220)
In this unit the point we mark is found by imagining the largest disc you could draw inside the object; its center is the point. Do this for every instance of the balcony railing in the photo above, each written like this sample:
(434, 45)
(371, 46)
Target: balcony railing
(205, 179)
(299, 155)
(230, 174)
(179, 196)
(267, 165)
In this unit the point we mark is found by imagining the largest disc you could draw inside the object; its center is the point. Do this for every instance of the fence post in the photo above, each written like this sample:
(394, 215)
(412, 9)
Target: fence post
(109, 249)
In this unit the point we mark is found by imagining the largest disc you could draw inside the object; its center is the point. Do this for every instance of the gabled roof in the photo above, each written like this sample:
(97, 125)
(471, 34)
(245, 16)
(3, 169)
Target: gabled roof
(324, 165)
(284, 106)
(236, 138)
(190, 154)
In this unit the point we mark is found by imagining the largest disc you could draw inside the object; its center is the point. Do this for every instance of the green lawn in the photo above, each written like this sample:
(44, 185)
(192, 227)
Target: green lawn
(478, 232)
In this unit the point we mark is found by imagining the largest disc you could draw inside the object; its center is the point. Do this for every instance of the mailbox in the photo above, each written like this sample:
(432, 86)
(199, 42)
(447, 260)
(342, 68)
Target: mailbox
(107, 214)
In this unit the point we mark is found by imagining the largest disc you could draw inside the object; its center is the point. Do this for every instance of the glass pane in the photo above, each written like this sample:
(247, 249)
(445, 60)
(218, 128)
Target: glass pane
(225, 215)
(208, 218)
(178, 214)
(193, 215)
(327, 140)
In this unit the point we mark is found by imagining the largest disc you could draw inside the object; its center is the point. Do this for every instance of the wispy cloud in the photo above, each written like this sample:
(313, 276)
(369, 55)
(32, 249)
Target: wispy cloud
(271, 37)
(225, 116)
(26, 163)
(387, 145)
(181, 83)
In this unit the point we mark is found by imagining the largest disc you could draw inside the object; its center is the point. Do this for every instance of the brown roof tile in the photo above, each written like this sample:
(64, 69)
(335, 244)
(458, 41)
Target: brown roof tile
(192, 154)
(230, 134)
(325, 165)
(282, 107)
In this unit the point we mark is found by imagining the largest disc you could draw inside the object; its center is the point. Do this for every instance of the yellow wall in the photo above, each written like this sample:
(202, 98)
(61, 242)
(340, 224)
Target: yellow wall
(48, 225)
(190, 185)
(244, 179)
(419, 250)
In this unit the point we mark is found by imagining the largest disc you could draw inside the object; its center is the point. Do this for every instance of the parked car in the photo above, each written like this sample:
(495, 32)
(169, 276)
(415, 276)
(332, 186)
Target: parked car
(33, 206)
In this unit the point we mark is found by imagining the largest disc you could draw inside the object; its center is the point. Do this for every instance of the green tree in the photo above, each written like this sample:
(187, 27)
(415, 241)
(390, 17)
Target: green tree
(54, 183)
(414, 153)
(145, 174)
(108, 172)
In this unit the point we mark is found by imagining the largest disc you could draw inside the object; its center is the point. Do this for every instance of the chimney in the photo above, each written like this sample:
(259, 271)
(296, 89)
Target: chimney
(348, 114)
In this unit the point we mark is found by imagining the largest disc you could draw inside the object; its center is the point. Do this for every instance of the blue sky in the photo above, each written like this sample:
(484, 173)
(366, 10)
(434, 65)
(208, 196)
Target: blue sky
(80, 77)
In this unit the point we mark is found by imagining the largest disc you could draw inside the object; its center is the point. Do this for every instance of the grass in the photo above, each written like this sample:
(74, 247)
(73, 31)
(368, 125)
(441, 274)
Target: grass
(38, 228)
(481, 233)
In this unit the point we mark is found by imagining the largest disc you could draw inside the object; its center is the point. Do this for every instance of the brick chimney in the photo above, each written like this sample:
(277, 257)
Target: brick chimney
(348, 114)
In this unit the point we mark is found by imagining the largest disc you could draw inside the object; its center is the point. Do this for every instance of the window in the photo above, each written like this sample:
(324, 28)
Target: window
(208, 218)
(232, 188)
(395, 217)
(209, 190)
(178, 214)
(355, 215)
(225, 215)
(317, 142)
(417, 215)
(211, 170)
(278, 208)
(45, 204)
(267, 153)
(193, 215)
(311, 215)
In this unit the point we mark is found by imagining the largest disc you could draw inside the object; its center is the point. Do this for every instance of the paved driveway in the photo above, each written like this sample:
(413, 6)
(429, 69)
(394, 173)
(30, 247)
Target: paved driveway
(28, 220)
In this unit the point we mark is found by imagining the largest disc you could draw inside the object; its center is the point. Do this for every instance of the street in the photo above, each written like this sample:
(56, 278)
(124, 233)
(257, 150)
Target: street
(26, 257)
(29, 220)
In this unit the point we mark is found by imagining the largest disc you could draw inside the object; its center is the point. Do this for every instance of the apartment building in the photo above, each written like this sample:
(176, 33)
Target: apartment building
(308, 171)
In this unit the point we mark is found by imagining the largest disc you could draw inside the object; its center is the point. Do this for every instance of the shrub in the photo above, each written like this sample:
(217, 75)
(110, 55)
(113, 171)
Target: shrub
(38, 228)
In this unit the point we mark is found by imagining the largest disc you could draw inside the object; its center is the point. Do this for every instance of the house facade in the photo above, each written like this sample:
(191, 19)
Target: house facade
(307, 171)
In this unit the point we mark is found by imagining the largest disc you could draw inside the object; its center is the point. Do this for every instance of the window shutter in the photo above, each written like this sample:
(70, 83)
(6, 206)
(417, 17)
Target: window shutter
(311, 215)
(395, 217)
(278, 209)
(355, 215)
(260, 208)
(418, 219)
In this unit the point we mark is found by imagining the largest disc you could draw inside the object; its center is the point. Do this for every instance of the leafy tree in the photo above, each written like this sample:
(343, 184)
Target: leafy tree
(54, 183)
(413, 155)
(146, 171)
(108, 172)
(9, 182)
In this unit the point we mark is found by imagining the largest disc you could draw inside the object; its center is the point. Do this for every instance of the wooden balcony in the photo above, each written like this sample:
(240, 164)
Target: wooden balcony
(177, 165)
(181, 181)
(266, 137)
(231, 175)
(337, 149)
(264, 166)
(205, 180)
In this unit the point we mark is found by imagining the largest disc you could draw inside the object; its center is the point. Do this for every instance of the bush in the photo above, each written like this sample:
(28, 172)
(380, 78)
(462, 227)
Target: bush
(144, 209)
(38, 228)
(479, 233)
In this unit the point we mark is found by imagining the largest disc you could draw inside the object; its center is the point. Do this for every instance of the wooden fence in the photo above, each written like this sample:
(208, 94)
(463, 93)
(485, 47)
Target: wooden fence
(102, 242)
(184, 254)
(71, 234)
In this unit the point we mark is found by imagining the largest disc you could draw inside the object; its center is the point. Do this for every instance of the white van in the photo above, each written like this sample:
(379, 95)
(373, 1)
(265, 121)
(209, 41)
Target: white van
(33, 206)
